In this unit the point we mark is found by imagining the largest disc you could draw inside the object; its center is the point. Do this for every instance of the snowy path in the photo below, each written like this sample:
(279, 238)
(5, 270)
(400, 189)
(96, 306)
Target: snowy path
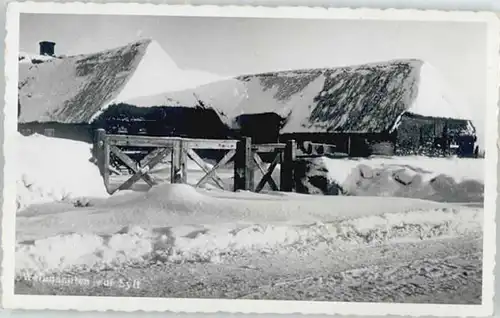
(180, 205)
(442, 271)
(178, 241)
(177, 223)
(266, 246)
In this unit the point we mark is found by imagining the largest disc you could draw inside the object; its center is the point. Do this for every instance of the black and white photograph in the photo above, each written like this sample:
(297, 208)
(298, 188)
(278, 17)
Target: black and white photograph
(269, 160)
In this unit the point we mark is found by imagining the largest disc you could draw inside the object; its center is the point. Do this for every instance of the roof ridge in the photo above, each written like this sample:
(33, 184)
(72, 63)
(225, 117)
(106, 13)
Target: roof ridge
(350, 67)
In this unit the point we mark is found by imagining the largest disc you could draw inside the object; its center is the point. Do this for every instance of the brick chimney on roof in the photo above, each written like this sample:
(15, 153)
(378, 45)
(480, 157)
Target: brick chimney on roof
(47, 48)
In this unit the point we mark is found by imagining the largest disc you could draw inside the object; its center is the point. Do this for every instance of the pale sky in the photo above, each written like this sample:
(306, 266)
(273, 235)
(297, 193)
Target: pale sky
(234, 46)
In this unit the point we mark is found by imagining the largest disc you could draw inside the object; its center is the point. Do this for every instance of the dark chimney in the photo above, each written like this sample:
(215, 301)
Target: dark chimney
(47, 48)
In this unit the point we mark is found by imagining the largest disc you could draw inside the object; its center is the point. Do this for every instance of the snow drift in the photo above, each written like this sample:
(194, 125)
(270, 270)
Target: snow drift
(438, 179)
(61, 170)
(51, 169)
(459, 169)
(177, 223)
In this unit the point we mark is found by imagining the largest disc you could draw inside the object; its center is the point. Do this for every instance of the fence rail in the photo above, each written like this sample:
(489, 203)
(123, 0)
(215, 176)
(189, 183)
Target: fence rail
(149, 141)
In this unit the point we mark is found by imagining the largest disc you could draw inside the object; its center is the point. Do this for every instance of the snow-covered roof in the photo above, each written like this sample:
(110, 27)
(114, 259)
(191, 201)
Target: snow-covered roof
(372, 97)
(73, 89)
(77, 89)
(26, 58)
(362, 98)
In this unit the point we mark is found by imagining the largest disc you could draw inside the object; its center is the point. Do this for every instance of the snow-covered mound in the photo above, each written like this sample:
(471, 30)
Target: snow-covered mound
(177, 223)
(440, 179)
(190, 165)
(87, 84)
(459, 169)
(51, 169)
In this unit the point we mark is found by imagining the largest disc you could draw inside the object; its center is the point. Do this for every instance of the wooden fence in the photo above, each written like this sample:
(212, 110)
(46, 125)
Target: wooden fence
(247, 158)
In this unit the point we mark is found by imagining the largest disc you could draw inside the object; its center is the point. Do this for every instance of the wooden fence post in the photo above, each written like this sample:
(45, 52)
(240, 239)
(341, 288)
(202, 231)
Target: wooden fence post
(98, 148)
(287, 164)
(183, 161)
(102, 155)
(106, 163)
(175, 166)
(349, 145)
(243, 165)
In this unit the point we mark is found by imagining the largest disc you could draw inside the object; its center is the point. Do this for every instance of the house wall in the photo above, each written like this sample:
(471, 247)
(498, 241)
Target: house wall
(79, 132)
(417, 135)
(166, 121)
(263, 128)
(163, 121)
(353, 144)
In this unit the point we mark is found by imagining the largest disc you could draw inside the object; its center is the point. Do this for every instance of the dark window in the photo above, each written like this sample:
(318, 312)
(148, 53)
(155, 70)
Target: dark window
(49, 132)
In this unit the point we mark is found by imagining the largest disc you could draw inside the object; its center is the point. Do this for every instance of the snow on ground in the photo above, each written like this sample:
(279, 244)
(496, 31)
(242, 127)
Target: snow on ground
(164, 167)
(51, 169)
(180, 223)
(55, 169)
(345, 171)
(436, 179)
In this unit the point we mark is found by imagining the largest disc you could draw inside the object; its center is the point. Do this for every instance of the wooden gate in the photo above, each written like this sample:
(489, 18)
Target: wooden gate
(248, 158)
(110, 144)
(188, 148)
(177, 148)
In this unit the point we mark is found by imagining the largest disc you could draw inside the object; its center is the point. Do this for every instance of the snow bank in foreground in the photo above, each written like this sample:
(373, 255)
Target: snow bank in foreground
(52, 169)
(158, 227)
(136, 244)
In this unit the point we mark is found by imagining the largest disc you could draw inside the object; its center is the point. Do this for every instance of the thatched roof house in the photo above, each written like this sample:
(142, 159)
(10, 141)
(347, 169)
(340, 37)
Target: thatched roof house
(334, 104)
(362, 99)
(70, 95)
(405, 102)
(138, 88)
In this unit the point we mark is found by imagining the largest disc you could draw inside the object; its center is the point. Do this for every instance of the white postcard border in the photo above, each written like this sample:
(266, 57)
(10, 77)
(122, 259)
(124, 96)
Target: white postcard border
(88, 303)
